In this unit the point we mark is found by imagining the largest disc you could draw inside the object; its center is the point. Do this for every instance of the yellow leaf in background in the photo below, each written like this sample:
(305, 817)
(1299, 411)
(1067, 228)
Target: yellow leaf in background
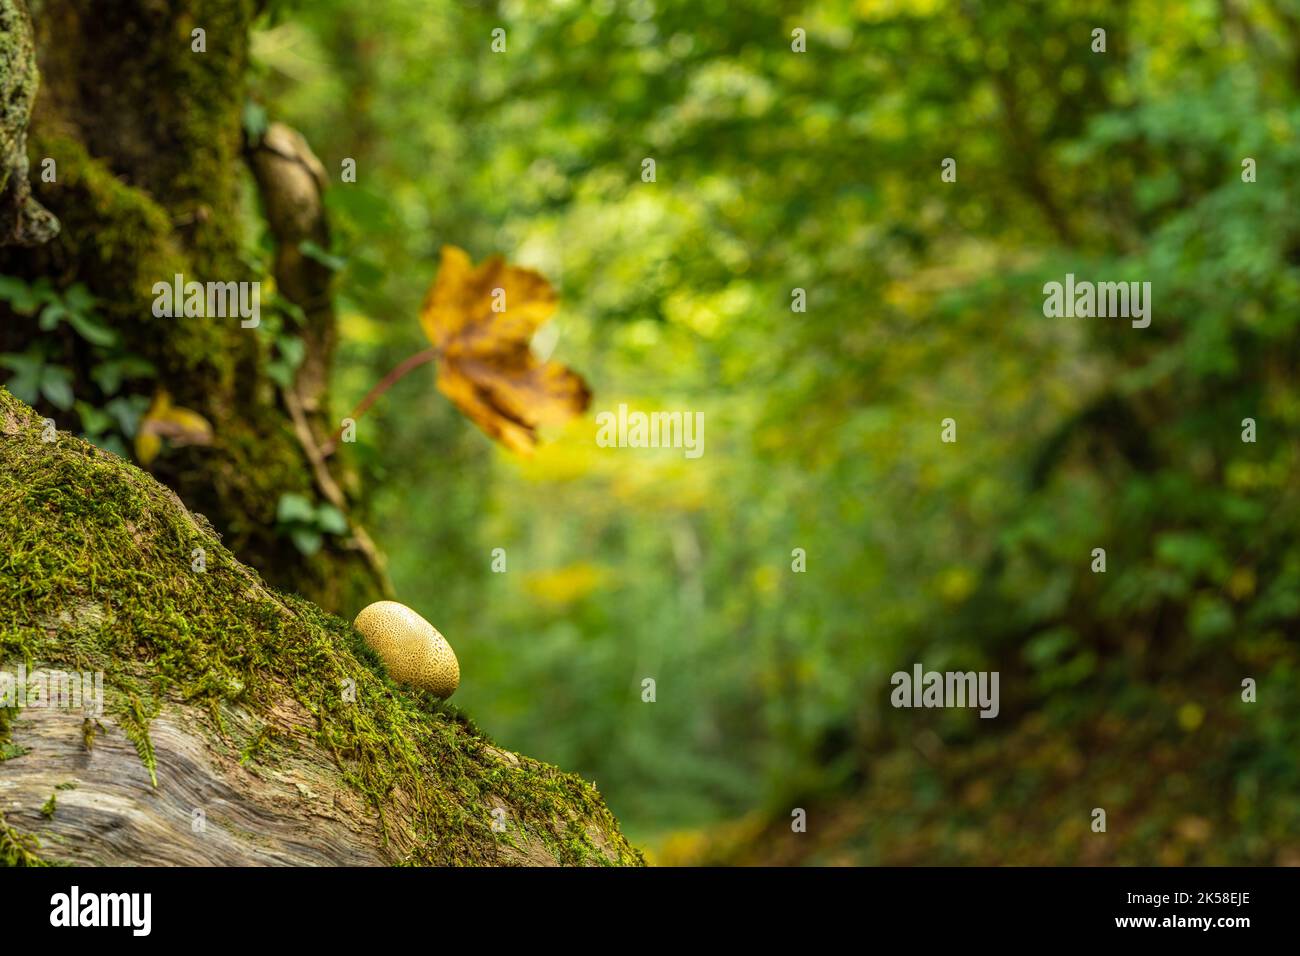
(765, 579)
(1242, 583)
(956, 584)
(180, 426)
(564, 586)
(1190, 716)
(147, 446)
(485, 362)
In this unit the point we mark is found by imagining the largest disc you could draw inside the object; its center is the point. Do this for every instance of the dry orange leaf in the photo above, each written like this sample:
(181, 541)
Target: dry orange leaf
(485, 362)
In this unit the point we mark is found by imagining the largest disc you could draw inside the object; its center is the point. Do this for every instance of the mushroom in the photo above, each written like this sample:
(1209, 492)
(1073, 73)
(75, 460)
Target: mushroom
(410, 647)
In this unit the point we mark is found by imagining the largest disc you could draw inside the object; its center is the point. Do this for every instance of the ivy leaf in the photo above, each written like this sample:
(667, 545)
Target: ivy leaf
(50, 316)
(76, 307)
(109, 375)
(25, 383)
(79, 299)
(254, 120)
(307, 540)
(330, 520)
(12, 287)
(127, 412)
(316, 253)
(90, 329)
(290, 309)
(56, 386)
(294, 508)
(23, 298)
(485, 363)
(280, 373)
(292, 350)
(94, 421)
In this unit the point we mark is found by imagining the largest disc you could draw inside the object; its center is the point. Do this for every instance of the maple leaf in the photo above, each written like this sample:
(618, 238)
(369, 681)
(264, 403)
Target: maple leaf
(485, 363)
(180, 426)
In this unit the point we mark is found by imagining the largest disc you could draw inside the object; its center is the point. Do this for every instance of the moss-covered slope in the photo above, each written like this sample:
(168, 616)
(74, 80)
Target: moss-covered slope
(255, 707)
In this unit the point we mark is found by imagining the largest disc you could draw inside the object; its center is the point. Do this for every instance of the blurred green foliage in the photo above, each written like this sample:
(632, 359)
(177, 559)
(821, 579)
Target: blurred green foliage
(821, 171)
(39, 371)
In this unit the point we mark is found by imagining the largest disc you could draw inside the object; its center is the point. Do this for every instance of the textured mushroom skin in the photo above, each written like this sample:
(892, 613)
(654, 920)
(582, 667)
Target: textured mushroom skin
(410, 647)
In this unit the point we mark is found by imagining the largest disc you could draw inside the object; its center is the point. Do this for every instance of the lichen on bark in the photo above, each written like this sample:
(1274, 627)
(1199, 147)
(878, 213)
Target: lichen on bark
(23, 220)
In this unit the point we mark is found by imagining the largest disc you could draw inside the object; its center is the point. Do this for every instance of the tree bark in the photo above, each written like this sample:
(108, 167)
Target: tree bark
(145, 133)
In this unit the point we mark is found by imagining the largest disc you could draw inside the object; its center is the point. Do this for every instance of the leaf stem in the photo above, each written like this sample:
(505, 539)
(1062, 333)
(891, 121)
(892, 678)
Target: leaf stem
(384, 384)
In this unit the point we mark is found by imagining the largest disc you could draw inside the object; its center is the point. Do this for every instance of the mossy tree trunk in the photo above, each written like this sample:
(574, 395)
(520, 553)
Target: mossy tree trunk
(150, 181)
(236, 724)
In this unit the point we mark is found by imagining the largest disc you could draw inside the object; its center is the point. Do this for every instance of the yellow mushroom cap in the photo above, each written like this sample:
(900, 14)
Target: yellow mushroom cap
(410, 647)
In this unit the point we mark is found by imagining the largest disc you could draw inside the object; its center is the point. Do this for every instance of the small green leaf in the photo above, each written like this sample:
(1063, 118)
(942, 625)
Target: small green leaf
(280, 373)
(127, 410)
(12, 287)
(56, 386)
(91, 330)
(109, 375)
(292, 350)
(26, 299)
(330, 520)
(50, 316)
(254, 120)
(294, 508)
(326, 258)
(78, 298)
(94, 421)
(26, 381)
(307, 540)
(290, 309)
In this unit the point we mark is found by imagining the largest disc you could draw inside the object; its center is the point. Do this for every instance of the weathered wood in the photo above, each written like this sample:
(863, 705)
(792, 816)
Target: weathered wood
(206, 810)
(236, 725)
(212, 805)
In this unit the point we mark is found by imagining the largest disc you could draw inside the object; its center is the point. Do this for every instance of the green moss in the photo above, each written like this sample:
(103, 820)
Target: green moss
(167, 118)
(17, 849)
(146, 134)
(102, 549)
(21, 217)
(135, 721)
(89, 728)
(123, 241)
(18, 79)
(8, 749)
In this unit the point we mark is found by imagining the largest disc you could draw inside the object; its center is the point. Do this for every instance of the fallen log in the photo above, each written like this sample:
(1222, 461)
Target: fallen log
(236, 725)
